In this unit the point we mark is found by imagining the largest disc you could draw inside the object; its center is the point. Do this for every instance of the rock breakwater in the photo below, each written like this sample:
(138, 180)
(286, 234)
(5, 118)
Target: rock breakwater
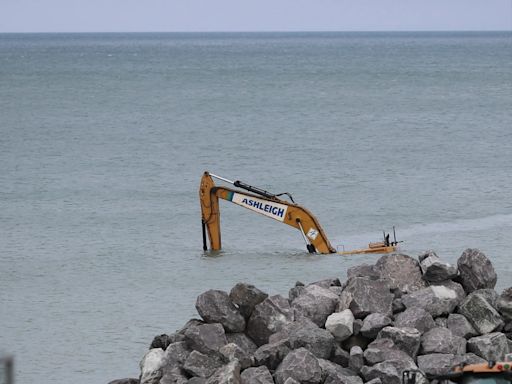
(398, 314)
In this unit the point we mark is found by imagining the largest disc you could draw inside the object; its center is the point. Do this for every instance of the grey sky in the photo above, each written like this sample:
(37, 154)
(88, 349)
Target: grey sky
(252, 15)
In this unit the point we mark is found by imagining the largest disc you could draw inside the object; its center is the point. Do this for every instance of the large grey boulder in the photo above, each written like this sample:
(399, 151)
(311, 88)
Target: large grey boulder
(389, 371)
(415, 317)
(215, 306)
(504, 304)
(246, 296)
(363, 270)
(176, 354)
(340, 324)
(384, 349)
(151, 366)
(405, 339)
(202, 365)
(441, 340)
(402, 271)
(476, 270)
(228, 374)
(436, 363)
(315, 303)
(437, 300)
(232, 352)
(364, 296)
(269, 317)
(300, 365)
(334, 374)
(480, 313)
(460, 326)
(373, 323)
(206, 338)
(271, 355)
(243, 341)
(317, 340)
(493, 346)
(435, 270)
(257, 375)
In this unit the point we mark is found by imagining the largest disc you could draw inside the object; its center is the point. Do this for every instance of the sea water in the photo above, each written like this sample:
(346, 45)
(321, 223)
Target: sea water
(104, 138)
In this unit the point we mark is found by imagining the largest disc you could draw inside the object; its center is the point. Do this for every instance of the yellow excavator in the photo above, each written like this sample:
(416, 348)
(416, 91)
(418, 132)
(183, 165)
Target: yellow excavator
(270, 205)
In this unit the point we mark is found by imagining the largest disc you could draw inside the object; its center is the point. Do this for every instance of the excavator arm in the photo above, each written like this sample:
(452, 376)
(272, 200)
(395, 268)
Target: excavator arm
(261, 202)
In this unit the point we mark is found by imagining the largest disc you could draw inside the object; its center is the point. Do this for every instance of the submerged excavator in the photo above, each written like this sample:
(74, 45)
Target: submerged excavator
(270, 205)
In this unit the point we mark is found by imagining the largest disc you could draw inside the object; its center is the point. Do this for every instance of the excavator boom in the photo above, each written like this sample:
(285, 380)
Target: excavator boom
(259, 201)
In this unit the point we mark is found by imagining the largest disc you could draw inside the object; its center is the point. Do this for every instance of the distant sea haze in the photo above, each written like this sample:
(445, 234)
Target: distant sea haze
(104, 138)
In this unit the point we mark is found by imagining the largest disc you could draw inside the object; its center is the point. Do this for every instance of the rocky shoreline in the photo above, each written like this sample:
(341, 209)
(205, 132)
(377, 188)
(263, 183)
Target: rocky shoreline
(398, 314)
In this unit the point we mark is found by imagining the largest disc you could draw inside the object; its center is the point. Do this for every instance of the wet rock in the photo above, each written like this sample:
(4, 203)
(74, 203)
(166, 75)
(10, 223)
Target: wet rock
(269, 317)
(405, 339)
(340, 324)
(246, 297)
(460, 326)
(441, 340)
(257, 375)
(244, 342)
(334, 374)
(365, 296)
(384, 349)
(504, 304)
(482, 315)
(436, 363)
(389, 371)
(271, 355)
(300, 365)
(206, 338)
(363, 270)
(315, 303)
(233, 352)
(403, 272)
(340, 356)
(436, 300)
(356, 360)
(397, 305)
(415, 318)
(151, 366)
(373, 323)
(476, 270)
(202, 365)
(215, 306)
(493, 346)
(124, 381)
(435, 270)
(228, 374)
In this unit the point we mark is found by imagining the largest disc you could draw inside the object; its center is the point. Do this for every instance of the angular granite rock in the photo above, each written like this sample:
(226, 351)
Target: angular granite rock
(246, 296)
(384, 349)
(389, 371)
(315, 303)
(300, 365)
(476, 270)
(441, 340)
(415, 317)
(124, 381)
(504, 304)
(405, 339)
(436, 300)
(228, 374)
(403, 272)
(176, 354)
(272, 354)
(233, 352)
(257, 375)
(480, 313)
(202, 365)
(435, 270)
(356, 360)
(340, 324)
(460, 326)
(363, 270)
(269, 317)
(243, 341)
(373, 323)
(215, 306)
(206, 338)
(365, 296)
(308, 335)
(334, 374)
(493, 346)
(151, 366)
(436, 363)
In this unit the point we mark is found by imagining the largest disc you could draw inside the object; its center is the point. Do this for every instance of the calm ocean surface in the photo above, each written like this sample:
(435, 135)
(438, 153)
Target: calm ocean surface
(104, 137)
